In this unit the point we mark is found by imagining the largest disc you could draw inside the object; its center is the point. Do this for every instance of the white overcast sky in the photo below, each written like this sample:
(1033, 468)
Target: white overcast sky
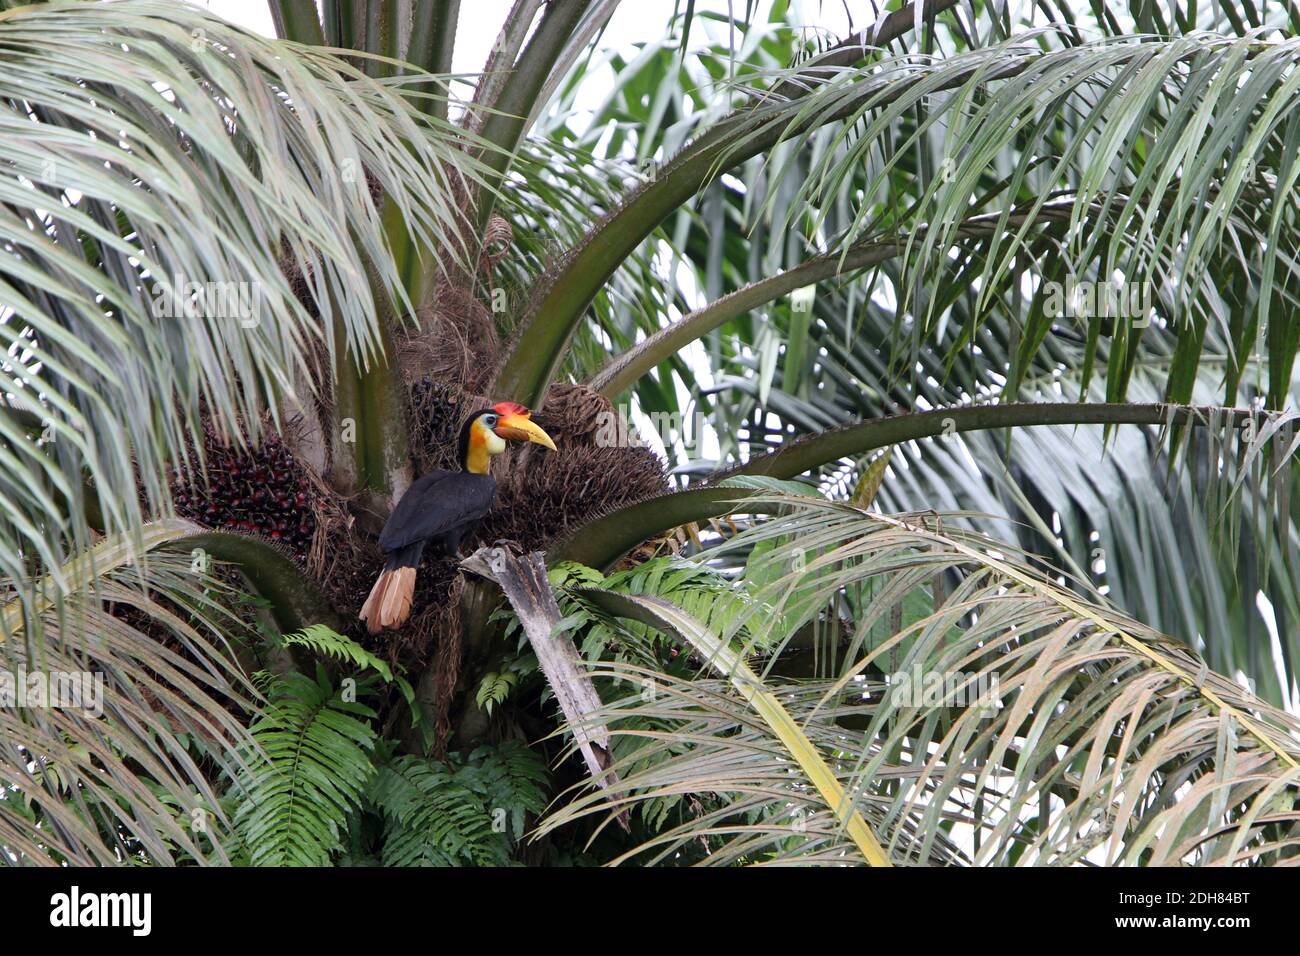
(633, 21)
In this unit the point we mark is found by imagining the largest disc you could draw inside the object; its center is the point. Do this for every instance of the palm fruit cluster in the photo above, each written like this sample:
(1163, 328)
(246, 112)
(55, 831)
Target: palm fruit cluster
(261, 491)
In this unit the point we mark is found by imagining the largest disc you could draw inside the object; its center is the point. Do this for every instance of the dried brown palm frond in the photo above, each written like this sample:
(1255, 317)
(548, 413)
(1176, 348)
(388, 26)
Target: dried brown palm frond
(1092, 739)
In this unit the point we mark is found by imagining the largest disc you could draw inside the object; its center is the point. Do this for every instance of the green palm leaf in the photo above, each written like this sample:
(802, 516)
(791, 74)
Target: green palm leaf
(127, 783)
(153, 150)
(1093, 738)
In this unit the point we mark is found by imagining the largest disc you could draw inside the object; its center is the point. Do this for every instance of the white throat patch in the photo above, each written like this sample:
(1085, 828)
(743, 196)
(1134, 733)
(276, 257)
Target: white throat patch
(495, 443)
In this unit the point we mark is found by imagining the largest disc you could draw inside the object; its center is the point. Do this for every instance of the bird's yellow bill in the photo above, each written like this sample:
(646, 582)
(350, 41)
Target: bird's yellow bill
(520, 428)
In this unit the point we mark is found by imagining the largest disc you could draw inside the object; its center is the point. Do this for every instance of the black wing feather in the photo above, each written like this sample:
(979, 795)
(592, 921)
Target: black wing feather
(435, 504)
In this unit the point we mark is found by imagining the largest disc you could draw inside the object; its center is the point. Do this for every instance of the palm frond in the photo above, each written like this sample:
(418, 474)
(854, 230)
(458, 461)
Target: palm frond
(115, 773)
(163, 172)
(720, 655)
(1091, 738)
(1117, 173)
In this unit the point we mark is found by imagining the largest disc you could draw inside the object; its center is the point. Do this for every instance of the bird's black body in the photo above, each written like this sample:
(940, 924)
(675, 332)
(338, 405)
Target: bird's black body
(440, 509)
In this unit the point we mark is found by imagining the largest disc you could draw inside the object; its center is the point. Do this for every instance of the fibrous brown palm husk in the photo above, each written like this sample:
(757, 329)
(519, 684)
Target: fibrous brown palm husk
(557, 490)
(454, 343)
(574, 414)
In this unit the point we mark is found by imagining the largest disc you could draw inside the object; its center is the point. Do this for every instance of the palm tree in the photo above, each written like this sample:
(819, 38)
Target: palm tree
(856, 258)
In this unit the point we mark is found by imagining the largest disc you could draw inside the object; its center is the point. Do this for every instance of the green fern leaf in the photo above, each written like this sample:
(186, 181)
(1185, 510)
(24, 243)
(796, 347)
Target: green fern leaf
(466, 812)
(434, 819)
(326, 641)
(494, 689)
(513, 778)
(313, 768)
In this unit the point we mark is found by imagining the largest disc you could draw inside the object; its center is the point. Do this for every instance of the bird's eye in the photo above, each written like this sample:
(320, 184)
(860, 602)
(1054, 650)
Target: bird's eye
(490, 421)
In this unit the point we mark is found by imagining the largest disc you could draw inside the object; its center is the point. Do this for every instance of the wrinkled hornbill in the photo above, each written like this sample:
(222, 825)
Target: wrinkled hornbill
(442, 508)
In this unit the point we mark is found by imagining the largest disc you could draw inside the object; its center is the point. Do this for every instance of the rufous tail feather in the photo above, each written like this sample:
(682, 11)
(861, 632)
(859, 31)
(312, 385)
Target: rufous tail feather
(389, 603)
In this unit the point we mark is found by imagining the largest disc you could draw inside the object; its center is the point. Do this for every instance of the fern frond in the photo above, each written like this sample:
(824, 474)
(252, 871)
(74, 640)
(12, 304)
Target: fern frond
(434, 819)
(467, 812)
(703, 592)
(512, 777)
(494, 689)
(315, 768)
(330, 643)
(325, 640)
